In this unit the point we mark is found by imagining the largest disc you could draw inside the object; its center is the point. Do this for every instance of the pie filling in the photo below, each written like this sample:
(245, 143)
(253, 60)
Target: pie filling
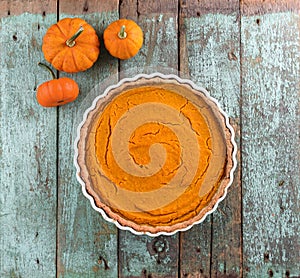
(156, 154)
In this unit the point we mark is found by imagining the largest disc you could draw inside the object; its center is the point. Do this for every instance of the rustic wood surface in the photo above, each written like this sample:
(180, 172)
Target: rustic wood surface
(246, 53)
(271, 168)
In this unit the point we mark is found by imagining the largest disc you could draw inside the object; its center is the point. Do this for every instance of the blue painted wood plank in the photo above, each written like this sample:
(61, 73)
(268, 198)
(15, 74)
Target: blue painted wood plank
(270, 129)
(27, 151)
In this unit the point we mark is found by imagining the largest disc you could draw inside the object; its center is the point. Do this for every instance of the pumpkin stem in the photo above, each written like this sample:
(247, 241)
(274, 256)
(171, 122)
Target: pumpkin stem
(122, 34)
(48, 69)
(71, 41)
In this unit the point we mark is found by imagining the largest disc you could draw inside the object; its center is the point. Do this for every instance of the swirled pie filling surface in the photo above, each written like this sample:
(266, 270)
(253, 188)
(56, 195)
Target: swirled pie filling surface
(156, 154)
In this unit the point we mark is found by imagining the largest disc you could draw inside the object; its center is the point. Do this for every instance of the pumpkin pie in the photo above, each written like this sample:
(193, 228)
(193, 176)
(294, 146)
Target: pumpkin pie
(155, 154)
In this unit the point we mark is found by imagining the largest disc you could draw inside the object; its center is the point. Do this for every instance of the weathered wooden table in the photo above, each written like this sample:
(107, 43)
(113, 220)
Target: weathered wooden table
(247, 56)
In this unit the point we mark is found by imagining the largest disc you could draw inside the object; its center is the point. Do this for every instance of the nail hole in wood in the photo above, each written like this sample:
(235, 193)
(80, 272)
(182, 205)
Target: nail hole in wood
(44, 13)
(198, 250)
(287, 274)
(270, 273)
(281, 208)
(8, 12)
(258, 21)
(38, 26)
(198, 13)
(281, 183)
(37, 261)
(232, 56)
(100, 260)
(266, 257)
(15, 37)
(36, 234)
(201, 270)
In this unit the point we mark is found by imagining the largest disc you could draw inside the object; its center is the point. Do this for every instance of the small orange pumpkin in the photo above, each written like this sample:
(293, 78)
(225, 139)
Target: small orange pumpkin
(71, 45)
(56, 92)
(123, 38)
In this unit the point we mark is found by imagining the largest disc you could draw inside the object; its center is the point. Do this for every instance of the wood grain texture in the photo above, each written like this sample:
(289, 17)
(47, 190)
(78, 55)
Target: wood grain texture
(143, 256)
(209, 55)
(27, 153)
(42, 7)
(195, 251)
(259, 7)
(85, 7)
(146, 8)
(160, 47)
(270, 121)
(195, 8)
(87, 244)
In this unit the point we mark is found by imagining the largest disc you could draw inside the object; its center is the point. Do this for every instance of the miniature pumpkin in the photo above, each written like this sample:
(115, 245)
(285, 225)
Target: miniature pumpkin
(123, 38)
(57, 91)
(71, 45)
